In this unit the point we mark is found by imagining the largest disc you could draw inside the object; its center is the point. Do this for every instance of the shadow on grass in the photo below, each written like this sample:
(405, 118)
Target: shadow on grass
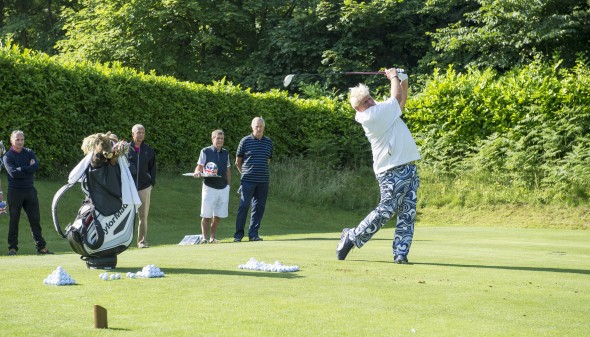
(336, 238)
(551, 270)
(116, 329)
(195, 271)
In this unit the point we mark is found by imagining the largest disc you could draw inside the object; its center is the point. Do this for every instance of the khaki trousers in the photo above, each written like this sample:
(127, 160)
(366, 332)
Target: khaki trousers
(143, 212)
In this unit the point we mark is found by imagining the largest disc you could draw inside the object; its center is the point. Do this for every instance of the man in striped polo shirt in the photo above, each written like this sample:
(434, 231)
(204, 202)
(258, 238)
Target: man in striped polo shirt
(252, 160)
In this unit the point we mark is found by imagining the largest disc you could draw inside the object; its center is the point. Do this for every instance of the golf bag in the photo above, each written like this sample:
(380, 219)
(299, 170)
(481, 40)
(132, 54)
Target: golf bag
(104, 225)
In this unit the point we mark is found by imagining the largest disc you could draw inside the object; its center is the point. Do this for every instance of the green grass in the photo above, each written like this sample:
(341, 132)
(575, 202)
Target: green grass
(463, 282)
(474, 272)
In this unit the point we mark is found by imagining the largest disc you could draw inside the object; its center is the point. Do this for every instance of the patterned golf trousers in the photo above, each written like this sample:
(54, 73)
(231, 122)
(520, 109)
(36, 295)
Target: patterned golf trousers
(398, 188)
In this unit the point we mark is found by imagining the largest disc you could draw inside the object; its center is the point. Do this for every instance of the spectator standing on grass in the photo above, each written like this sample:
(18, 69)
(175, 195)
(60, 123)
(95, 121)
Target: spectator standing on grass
(214, 159)
(142, 164)
(394, 152)
(2, 202)
(252, 161)
(21, 165)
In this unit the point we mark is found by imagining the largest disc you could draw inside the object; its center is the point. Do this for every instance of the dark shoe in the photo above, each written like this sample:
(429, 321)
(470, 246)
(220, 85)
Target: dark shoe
(400, 259)
(237, 240)
(258, 238)
(44, 251)
(345, 245)
(12, 252)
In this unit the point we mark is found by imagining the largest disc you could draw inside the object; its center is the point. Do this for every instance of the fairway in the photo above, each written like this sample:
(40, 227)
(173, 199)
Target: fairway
(461, 282)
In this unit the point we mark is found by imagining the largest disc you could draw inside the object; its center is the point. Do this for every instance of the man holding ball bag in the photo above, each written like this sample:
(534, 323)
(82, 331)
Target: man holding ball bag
(214, 167)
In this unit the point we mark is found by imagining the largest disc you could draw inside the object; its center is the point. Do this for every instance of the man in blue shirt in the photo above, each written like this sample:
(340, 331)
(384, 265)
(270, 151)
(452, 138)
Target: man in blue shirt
(21, 165)
(252, 161)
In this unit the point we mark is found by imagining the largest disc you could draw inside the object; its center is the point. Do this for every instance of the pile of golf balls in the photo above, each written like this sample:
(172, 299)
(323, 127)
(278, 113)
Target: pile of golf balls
(106, 277)
(253, 264)
(150, 271)
(59, 277)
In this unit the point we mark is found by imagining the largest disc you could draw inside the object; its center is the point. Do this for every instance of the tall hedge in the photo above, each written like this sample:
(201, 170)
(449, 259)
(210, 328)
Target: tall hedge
(58, 103)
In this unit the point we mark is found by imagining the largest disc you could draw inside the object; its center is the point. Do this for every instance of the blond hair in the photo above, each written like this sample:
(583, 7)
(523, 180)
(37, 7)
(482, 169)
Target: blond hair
(357, 94)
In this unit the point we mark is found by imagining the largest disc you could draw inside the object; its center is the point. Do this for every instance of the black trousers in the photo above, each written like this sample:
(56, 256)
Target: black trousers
(27, 200)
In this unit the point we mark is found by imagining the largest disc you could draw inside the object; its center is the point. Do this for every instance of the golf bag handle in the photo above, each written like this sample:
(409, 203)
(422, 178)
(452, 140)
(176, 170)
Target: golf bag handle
(54, 203)
(97, 224)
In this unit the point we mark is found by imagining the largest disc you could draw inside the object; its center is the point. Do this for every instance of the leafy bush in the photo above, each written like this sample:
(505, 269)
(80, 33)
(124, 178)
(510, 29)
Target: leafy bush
(529, 126)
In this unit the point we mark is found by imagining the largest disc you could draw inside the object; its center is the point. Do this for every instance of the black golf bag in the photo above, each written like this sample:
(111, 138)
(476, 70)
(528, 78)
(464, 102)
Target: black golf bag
(104, 225)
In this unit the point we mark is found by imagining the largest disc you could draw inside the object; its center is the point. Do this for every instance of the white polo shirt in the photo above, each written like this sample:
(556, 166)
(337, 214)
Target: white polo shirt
(392, 143)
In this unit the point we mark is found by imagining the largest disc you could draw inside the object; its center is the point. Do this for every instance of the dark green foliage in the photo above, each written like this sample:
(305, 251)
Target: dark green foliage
(33, 24)
(254, 43)
(502, 34)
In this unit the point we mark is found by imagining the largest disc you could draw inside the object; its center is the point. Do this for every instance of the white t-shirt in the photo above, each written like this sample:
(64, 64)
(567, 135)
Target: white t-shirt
(392, 143)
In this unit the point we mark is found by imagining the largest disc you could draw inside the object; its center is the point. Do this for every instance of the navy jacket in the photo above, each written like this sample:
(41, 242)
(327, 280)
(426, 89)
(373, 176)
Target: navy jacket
(21, 179)
(142, 166)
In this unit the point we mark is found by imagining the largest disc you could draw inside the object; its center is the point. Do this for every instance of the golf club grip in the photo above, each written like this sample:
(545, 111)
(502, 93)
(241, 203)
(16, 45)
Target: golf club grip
(364, 73)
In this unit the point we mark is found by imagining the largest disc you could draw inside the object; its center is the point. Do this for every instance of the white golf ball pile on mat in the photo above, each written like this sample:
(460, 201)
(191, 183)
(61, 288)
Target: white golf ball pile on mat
(59, 277)
(276, 267)
(150, 271)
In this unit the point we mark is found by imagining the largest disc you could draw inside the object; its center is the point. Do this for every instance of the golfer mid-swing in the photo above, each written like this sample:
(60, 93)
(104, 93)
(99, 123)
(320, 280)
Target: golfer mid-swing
(394, 152)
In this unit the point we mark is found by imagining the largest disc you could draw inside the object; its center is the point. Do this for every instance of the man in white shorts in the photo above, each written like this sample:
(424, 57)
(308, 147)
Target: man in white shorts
(214, 167)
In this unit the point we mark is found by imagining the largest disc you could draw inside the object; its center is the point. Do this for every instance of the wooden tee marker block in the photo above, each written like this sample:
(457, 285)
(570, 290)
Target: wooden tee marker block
(100, 317)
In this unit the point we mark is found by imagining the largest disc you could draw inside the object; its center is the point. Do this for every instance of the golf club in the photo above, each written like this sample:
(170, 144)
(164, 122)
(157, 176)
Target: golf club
(289, 77)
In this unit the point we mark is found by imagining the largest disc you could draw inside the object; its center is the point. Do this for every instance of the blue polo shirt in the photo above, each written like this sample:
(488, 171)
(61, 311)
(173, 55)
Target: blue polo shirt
(255, 154)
